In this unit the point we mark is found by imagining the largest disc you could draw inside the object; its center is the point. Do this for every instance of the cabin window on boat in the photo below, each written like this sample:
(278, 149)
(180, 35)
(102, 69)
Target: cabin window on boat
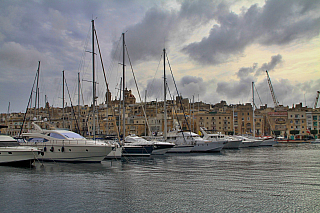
(56, 135)
(72, 135)
(35, 140)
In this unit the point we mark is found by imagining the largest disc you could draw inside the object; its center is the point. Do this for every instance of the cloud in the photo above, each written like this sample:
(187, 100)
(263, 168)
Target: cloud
(160, 26)
(276, 23)
(241, 89)
(275, 60)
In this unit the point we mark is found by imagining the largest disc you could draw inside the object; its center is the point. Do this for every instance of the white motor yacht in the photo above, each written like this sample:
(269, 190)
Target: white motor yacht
(11, 153)
(64, 145)
(135, 145)
(245, 142)
(192, 142)
(232, 142)
(268, 141)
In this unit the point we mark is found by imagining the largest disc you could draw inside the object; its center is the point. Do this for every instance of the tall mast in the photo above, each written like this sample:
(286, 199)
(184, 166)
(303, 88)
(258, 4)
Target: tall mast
(164, 96)
(93, 85)
(193, 113)
(233, 120)
(254, 128)
(79, 102)
(123, 89)
(119, 108)
(145, 109)
(37, 91)
(62, 98)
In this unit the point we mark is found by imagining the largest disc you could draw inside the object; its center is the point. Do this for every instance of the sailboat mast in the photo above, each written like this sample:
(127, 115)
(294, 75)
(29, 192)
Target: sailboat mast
(62, 98)
(79, 101)
(123, 89)
(164, 96)
(253, 123)
(37, 91)
(93, 85)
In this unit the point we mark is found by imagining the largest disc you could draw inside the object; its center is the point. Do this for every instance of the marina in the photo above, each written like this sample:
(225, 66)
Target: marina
(281, 178)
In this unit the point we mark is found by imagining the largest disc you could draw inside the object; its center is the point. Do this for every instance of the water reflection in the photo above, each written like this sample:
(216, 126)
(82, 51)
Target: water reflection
(267, 179)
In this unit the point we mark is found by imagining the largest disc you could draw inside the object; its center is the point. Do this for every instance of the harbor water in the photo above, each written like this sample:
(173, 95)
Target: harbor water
(283, 178)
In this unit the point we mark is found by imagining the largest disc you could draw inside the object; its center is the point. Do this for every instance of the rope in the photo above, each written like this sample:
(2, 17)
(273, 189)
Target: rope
(179, 99)
(135, 81)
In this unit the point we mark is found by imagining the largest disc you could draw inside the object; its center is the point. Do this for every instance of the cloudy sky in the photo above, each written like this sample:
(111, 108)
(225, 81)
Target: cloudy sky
(216, 49)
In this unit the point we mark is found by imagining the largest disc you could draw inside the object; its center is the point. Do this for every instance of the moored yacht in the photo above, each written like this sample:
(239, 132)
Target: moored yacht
(245, 142)
(135, 145)
(11, 153)
(192, 142)
(232, 142)
(64, 145)
(268, 141)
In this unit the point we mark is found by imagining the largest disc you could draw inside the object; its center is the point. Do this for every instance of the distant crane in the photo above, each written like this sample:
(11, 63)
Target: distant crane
(276, 103)
(316, 101)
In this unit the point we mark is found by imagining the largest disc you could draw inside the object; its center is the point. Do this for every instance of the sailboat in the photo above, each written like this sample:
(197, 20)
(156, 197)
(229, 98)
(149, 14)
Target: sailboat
(64, 145)
(264, 141)
(134, 145)
(185, 141)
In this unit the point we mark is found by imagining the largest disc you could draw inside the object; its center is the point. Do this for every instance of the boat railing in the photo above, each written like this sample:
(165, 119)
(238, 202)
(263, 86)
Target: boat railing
(65, 142)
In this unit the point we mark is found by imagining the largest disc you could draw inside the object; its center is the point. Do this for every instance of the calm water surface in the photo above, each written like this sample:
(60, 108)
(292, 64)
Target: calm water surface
(285, 178)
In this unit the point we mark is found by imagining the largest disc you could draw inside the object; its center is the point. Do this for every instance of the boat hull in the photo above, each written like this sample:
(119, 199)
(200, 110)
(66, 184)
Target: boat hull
(72, 153)
(246, 144)
(256, 143)
(181, 149)
(18, 156)
(269, 142)
(214, 146)
(161, 149)
(116, 153)
(232, 145)
(137, 150)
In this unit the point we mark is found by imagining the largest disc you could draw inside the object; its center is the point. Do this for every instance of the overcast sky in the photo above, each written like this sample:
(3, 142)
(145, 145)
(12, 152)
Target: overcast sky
(216, 49)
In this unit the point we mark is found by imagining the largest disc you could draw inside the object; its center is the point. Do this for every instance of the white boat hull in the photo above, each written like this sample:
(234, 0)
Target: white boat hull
(256, 143)
(116, 153)
(71, 153)
(17, 155)
(269, 142)
(246, 144)
(232, 145)
(214, 146)
(180, 149)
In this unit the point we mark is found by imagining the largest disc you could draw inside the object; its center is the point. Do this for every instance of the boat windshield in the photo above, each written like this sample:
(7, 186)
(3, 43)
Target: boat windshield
(72, 135)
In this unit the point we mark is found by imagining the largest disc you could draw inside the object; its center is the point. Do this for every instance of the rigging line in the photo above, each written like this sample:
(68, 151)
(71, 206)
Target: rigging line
(72, 106)
(30, 97)
(180, 97)
(175, 111)
(104, 73)
(112, 64)
(262, 104)
(82, 61)
(258, 95)
(135, 81)
(156, 72)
